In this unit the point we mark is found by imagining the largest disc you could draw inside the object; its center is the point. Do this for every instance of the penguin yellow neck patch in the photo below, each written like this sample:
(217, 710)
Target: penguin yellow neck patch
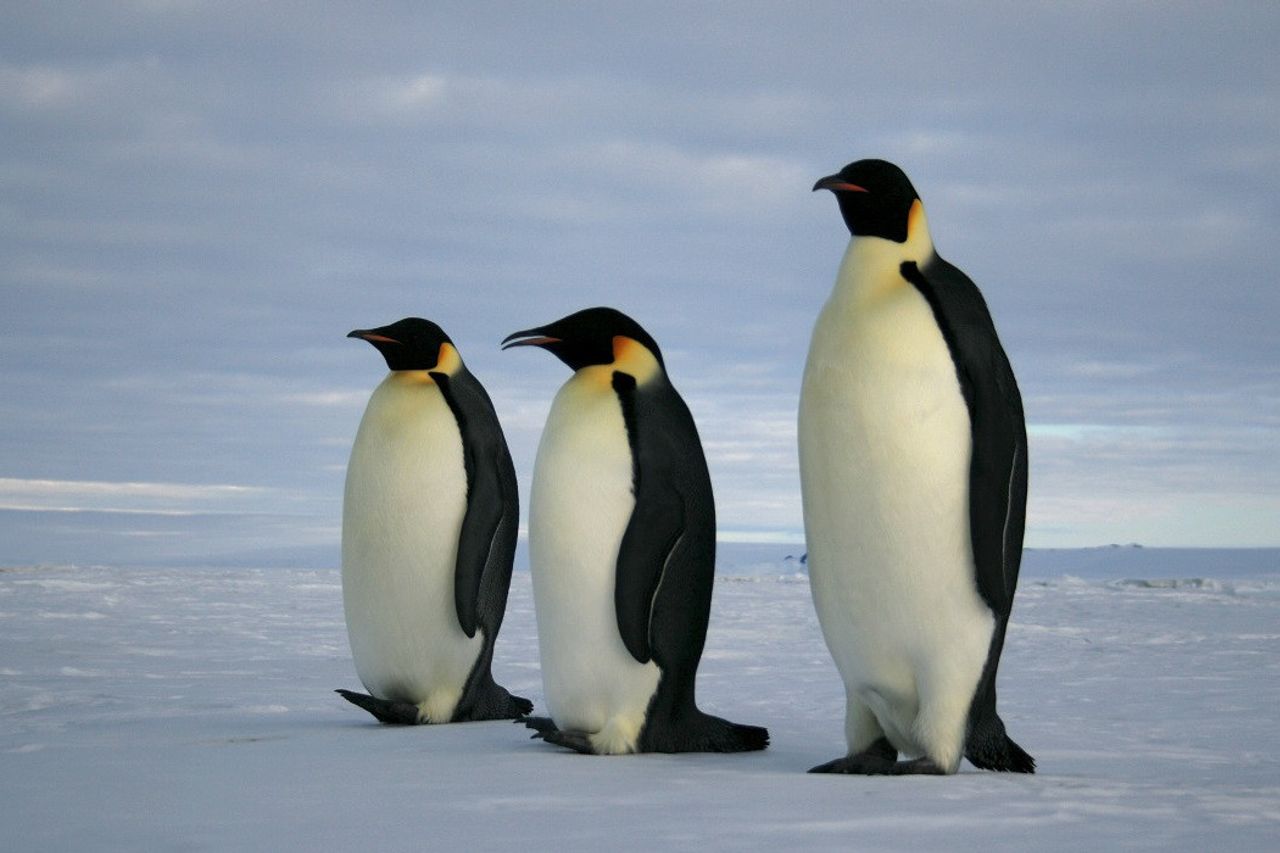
(630, 357)
(449, 360)
(919, 242)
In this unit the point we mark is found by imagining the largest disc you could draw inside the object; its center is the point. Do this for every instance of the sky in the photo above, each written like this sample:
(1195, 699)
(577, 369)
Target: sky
(198, 201)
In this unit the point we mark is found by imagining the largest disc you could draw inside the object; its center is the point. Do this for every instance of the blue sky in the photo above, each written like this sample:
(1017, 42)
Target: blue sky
(198, 201)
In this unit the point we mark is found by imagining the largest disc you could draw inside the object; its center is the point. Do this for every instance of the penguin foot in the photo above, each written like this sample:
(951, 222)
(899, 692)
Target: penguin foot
(879, 759)
(386, 711)
(538, 724)
(917, 767)
(577, 741)
(544, 728)
(990, 748)
(702, 733)
(496, 704)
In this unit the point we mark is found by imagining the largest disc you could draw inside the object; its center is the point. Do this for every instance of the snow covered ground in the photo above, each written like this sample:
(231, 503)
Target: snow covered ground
(191, 709)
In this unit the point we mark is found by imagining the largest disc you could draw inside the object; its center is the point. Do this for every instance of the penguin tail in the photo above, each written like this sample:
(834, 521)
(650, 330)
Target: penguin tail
(993, 749)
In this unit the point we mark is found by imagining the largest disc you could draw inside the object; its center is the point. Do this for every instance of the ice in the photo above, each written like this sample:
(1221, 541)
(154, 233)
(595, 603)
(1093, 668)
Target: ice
(193, 709)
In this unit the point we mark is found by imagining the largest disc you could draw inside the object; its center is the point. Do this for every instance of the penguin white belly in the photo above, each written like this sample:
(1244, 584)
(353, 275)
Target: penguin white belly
(406, 495)
(885, 446)
(581, 503)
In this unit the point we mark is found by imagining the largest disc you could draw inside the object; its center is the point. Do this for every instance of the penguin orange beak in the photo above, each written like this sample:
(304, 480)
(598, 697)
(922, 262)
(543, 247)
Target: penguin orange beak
(837, 184)
(371, 337)
(532, 338)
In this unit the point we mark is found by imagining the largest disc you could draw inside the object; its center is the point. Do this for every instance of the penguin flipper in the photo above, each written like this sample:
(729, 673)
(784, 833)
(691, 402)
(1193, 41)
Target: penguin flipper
(386, 711)
(657, 522)
(486, 542)
(475, 543)
(998, 465)
(651, 537)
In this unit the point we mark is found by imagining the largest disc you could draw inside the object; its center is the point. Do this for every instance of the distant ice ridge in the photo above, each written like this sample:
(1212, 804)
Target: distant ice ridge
(1174, 583)
(1187, 566)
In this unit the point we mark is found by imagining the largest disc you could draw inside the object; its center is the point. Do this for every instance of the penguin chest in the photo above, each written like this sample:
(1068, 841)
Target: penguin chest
(884, 452)
(406, 495)
(580, 506)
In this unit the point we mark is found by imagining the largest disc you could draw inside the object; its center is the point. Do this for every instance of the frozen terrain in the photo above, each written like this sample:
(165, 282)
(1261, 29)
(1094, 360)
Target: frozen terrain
(165, 709)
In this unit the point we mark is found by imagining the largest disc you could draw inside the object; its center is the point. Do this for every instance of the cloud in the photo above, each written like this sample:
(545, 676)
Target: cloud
(142, 498)
(199, 201)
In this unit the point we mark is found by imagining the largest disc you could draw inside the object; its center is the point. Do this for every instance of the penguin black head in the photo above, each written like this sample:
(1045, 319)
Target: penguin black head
(409, 344)
(875, 198)
(586, 338)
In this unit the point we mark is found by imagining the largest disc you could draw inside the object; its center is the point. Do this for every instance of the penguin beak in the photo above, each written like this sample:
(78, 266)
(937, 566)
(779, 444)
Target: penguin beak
(371, 336)
(835, 183)
(532, 338)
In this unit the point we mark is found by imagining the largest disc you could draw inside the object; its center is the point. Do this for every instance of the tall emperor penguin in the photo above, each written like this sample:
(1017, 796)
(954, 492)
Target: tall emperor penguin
(429, 524)
(913, 467)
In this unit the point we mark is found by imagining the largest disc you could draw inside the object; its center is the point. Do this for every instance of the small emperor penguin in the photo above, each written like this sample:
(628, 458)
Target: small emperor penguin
(622, 549)
(429, 523)
(913, 470)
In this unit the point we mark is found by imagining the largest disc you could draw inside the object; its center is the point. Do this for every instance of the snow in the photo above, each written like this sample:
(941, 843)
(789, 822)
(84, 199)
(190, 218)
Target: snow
(166, 709)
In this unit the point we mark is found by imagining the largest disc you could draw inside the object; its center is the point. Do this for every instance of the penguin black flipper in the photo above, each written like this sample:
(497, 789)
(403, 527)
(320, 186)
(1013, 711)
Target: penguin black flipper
(997, 469)
(666, 570)
(485, 544)
(487, 540)
(997, 481)
(657, 521)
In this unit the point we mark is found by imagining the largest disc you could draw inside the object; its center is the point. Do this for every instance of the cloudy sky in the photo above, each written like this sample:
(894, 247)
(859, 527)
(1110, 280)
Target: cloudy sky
(198, 200)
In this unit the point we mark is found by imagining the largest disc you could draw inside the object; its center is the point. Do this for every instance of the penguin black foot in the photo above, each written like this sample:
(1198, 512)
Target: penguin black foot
(879, 759)
(579, 742)
(520, 706)
(496, 704)
(702, 733)
(917, 767)
(989, 747)
(544, 728)
(538, 724)
(386, 711)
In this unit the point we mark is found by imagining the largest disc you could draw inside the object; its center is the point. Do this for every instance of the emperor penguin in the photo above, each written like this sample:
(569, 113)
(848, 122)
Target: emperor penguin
(429, 523)
(913, 471)
(622, 549)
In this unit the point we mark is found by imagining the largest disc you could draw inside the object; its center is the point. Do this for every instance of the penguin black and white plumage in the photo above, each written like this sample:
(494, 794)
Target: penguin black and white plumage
(429, 523)
(622, 549)
(913, 464)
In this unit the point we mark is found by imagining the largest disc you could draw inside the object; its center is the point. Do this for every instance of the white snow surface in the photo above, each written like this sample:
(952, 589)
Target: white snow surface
(192, 709)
